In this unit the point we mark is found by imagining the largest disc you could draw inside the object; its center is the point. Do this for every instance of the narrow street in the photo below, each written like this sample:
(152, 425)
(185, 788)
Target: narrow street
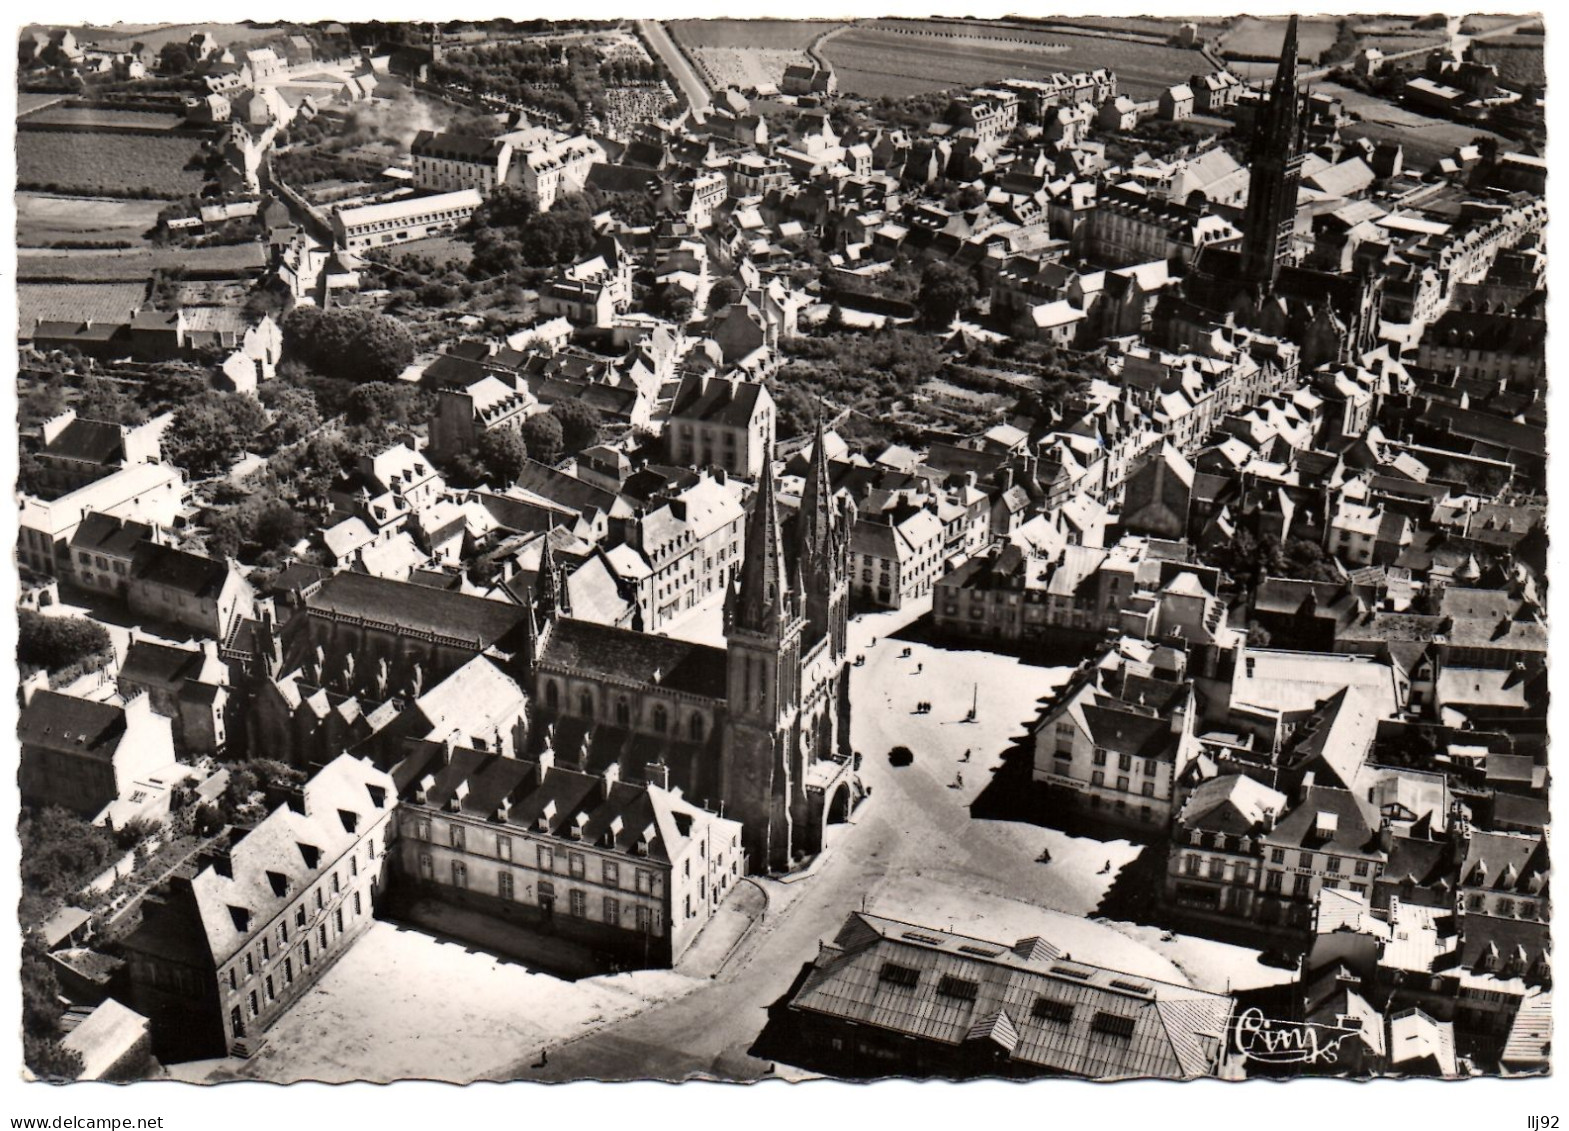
(697, 96)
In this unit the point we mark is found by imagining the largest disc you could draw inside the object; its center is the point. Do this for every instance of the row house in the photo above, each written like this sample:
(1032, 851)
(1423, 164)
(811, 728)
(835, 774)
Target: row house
(895, 555)
(1126, 227)
(151, 493)
(687, 540)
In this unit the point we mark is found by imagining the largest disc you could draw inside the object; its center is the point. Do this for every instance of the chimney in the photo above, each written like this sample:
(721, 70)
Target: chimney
(459, 793)
(658, 774)
(547, 762)
(296, 799)
(612, 776)
(1306, 787)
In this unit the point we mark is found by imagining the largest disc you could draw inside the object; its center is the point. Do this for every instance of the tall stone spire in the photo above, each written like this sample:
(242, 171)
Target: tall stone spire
(761, 602)
(547, 582)
(1275, 162)
(814, 530)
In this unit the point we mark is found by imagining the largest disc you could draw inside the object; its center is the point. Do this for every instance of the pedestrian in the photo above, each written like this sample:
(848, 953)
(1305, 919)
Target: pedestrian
(918, 669)
(544, 1057)
(966, 757)
(958, 779)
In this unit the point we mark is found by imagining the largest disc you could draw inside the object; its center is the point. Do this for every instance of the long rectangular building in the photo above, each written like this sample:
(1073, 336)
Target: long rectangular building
(400, 221)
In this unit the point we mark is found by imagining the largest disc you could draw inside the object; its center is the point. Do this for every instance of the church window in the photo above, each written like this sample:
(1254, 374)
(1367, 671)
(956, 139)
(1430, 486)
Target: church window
(552, 695)
(585, 704)
(661, 719)
(696, 728)
(623, 711)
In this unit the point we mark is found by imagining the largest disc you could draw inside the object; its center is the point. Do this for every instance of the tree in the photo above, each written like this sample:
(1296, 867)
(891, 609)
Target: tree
(380, 403)
(723, 293)
(542, 435)
(295, 413)
(103, 400)
(502, 456)
(359, 345)
(580, 424)
(945, 291)
(39, 404)
(53, 643)
(174, 59)
(210, 432)
(41, 1011)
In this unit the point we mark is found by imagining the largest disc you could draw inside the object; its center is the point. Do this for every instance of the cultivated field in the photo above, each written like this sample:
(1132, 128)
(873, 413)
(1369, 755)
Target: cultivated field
(104, 118)
(29, 100)
(745, 67)
(108, 162)
(42, 220)
(897, 58)
(1254, 36)
(789, 35)
(76, 302)
(230, 35)
(232, 260)
(1519, 58)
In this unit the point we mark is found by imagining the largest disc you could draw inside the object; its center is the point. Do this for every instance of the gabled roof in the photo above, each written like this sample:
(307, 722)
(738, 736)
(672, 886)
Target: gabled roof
(180, 570)
(63, 722)
(636, 657)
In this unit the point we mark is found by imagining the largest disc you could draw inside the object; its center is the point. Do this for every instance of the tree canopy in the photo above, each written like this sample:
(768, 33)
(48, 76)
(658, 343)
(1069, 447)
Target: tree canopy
(213, 430)
(53, 643)
(542, 434)
(580, 424)
(945, 291)
(360, 345)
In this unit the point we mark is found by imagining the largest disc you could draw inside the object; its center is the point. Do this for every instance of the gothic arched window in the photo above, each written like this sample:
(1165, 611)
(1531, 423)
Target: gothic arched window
(585, 704)
(696, 728)
(552, 695)
(661, 718)
(623, 711)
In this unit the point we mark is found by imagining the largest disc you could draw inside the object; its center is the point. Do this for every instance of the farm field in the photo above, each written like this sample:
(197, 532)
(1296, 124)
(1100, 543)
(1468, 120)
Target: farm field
(99, 162)
(1425, 139)
(1254, 36)
(1141, 25)
(104, 118)
(745, 67)
(897, 58)
(230, 35)
(42, 219)
(29, 100)
(138, 263)
(74, 302)
(788, 35)
(1519, 58)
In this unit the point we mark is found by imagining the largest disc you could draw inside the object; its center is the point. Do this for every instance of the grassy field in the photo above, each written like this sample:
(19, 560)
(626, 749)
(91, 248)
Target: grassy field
(903, 57)
(745, 67)
(777, 34)
(75, 302)
(42, 220)
(156, 35)
(99, 162)
(1254, 36)
(104, 118)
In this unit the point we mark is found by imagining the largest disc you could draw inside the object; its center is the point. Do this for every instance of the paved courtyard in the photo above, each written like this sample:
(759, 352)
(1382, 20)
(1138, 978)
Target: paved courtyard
(402, 1004)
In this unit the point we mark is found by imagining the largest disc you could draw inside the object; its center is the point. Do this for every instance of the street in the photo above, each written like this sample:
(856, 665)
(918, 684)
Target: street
(696, 93)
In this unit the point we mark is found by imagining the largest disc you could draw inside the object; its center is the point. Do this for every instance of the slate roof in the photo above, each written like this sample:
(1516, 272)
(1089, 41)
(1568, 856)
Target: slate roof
(416, 607)
(180, 570)
(92, 441)
(63, 722)
(1045, 1012)
(716, 401)
(636, 657)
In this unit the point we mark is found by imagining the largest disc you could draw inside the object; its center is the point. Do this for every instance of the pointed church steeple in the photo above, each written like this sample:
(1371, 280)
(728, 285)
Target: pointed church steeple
(1275, 162)
(547, 582)
(819, 547)
(761, 601)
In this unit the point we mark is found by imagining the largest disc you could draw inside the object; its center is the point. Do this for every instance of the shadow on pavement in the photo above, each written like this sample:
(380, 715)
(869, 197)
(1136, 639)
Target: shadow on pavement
(1134, 895)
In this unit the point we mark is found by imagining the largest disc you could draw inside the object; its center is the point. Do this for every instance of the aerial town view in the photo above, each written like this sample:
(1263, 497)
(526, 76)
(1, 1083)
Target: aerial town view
(761, 550)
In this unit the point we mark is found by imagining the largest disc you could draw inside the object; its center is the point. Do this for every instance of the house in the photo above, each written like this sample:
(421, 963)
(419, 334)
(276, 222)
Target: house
(399, 221)
(889, 998)
(179, 587)
(1176, 103)
(77, 451)
(84, 755)
(1114, 744)
(721, 422)
(449, 162)
(1216, 92)
(895, 556)
(1217, 853)
(103, 553)
(190, 687)
(150, 493)
(1330, 838)
(224, 948)
(113, 1042)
